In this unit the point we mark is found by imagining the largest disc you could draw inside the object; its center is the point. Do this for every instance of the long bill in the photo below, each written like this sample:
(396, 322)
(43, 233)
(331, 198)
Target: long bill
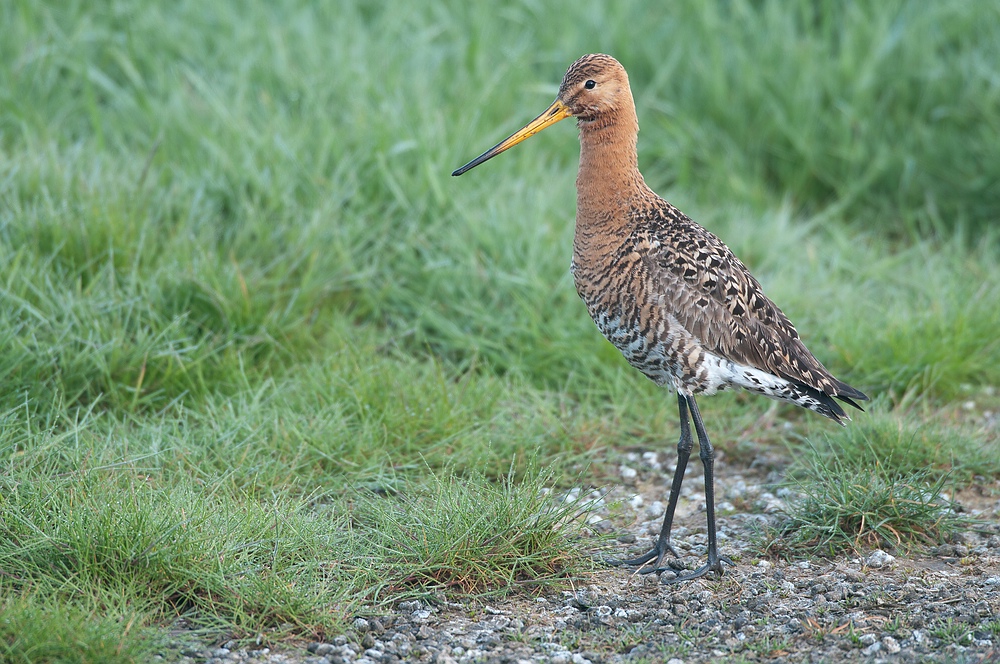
(553, 114)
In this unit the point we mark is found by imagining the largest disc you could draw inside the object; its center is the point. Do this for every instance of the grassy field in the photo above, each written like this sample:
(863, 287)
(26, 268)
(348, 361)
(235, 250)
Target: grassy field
(243, 301)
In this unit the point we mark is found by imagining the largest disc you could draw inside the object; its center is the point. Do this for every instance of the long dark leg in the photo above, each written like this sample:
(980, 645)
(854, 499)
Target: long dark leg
(663, 546)
(707, 453)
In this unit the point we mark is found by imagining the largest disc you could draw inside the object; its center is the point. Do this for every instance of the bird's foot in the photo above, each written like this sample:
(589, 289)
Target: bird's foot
(714, 564)
(657, 554)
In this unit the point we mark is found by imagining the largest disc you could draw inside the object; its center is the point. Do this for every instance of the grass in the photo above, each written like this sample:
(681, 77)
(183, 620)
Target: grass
(879, 483)
(769, 647)
(35, 630)
(467, 538)
(992, 628)
(111, 538)
(250, 325)
(845, 506)
(952, 632)
(938, 449)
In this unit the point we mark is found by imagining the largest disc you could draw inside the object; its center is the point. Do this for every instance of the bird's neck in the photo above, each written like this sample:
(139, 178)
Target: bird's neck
(609, 175)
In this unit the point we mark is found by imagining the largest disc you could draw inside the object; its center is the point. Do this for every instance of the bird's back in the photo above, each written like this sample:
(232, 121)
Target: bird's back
(685, 311)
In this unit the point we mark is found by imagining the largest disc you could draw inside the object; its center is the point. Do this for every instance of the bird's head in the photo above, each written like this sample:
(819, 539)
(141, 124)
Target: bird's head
(593, 90)
(594, 86)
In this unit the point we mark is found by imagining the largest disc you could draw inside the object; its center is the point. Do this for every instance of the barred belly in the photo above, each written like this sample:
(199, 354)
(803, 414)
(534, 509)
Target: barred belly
(665, 354)
(670, 356)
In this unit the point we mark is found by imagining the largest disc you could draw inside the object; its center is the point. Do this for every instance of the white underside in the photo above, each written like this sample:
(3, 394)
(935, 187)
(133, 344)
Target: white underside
(721, 373)
(713, 373)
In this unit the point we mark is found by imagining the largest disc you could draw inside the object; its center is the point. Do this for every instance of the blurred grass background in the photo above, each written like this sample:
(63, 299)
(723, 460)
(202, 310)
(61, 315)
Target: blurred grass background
(236, 276)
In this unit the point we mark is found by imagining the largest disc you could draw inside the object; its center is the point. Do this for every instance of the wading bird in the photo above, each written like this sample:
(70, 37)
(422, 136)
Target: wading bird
(673, 298)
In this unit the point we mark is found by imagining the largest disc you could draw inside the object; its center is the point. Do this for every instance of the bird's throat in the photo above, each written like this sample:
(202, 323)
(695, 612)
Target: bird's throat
(609, 175)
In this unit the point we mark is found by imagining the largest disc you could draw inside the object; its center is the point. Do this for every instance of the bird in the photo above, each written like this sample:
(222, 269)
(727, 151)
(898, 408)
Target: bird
(668, 293)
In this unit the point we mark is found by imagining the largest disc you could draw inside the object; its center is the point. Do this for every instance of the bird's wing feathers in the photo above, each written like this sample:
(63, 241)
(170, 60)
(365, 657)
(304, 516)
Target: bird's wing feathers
(713, 296)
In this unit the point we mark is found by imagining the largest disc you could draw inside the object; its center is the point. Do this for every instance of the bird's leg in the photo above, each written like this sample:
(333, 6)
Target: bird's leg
(707, 454)
(659, 552)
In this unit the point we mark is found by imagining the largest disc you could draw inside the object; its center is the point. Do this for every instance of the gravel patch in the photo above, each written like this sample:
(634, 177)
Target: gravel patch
(935, 605)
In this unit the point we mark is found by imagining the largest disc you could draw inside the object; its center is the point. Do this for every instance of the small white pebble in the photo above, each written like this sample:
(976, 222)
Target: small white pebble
(627, 472)
(635, 501)
(872, 649)
(652, 460)
(764, 564)
(879, 558)
(774, 507)
(867, 639)
(993, 581)
(674, 660)
(918, 636)
(890, 644)
(969, 405)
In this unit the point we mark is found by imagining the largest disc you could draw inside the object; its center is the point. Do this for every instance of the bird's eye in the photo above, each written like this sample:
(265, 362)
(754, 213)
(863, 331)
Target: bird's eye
(590, 85)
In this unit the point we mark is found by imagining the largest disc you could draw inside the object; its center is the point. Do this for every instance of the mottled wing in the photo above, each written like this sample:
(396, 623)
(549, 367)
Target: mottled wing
(713, 296)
